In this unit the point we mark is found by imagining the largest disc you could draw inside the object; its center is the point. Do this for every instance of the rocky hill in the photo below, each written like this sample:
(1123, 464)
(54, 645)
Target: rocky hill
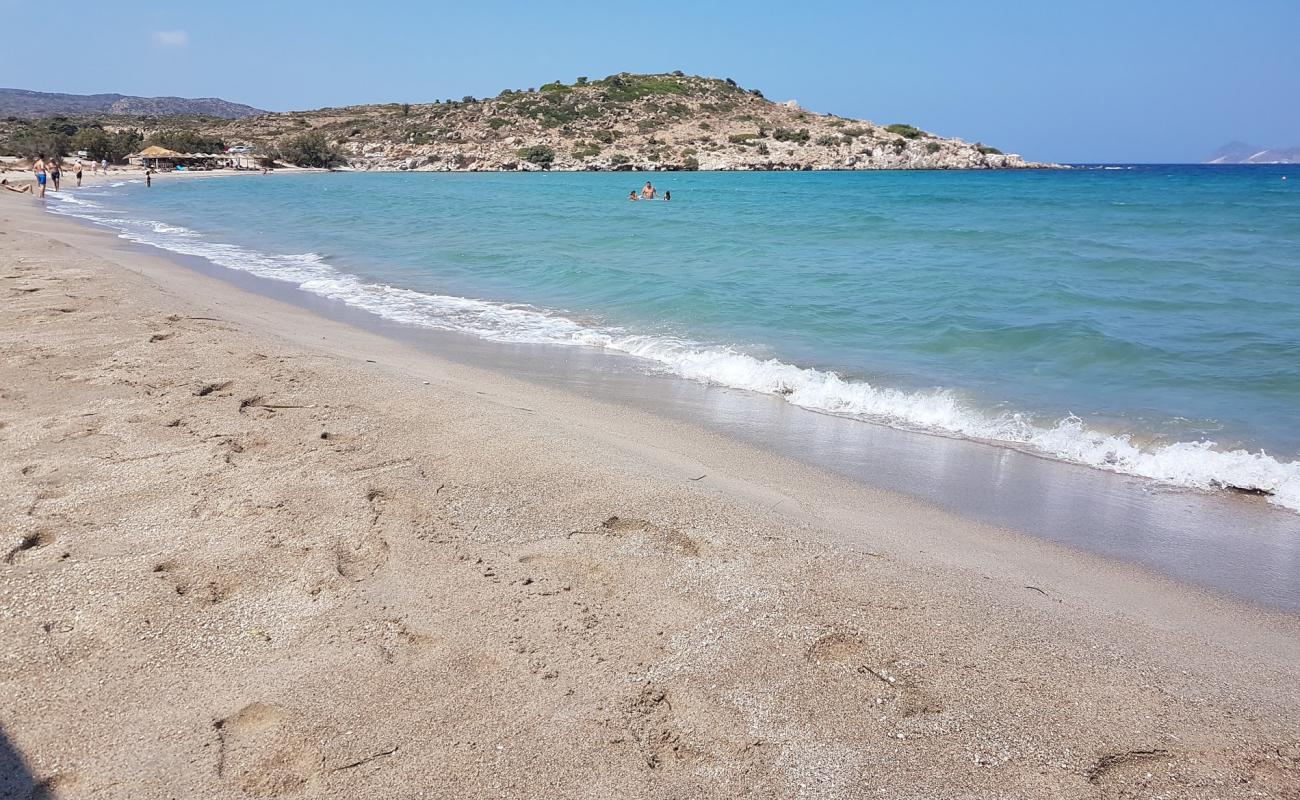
(622, 122)
(1242, 153)
(32, 105)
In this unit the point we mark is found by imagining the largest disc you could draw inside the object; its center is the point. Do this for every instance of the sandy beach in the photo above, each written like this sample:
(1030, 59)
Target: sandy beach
(252, 552)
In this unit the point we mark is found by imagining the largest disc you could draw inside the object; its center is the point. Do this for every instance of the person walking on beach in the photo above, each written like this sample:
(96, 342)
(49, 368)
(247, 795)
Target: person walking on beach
(148, 177)
(648, 191)
(38, 168)
(104, 165)
(78, 173)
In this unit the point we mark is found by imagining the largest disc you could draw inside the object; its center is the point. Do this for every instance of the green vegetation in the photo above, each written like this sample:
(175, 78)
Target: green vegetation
(619, 159)
(58, 136)
(626, 87)
(988, 151)
(555, 87)
(310, 150)
(744, 138)
(30, 139)
(586, 150)
(855, 132)
(829, 140)
(406, 109)
(800, 136)
(538, 154)
(186, 141)
(907, 131)
(497, 123)
(762, 149)
(607, 137)
(933, 147)
(691, 164)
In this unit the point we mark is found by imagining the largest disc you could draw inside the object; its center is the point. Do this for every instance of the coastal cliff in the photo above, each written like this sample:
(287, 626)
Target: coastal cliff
(622, 122)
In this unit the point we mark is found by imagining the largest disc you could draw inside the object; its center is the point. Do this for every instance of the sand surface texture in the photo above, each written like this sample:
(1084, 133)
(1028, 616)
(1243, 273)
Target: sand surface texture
(249, 552)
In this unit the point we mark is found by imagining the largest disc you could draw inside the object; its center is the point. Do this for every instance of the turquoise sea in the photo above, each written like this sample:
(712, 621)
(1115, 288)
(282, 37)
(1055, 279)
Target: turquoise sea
(1143, 320)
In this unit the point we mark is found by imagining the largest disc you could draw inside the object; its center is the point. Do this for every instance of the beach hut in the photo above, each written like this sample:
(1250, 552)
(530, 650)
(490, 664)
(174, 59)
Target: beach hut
(157, 157)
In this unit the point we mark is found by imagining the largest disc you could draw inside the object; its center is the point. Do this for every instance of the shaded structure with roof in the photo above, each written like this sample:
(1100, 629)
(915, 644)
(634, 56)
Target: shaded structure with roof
(160, 158)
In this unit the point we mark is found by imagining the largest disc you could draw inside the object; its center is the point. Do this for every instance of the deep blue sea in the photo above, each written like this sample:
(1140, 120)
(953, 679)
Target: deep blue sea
(1144, 320)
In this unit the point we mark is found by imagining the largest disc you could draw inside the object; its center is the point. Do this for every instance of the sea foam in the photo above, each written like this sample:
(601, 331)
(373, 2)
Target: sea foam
(1195, 465)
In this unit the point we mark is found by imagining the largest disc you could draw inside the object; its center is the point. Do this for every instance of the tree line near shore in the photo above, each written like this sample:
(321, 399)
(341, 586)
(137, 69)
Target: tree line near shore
(60, 136)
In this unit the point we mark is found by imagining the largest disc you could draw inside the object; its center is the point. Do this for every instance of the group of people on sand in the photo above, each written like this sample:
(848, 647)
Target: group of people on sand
(48, 171)
(648, 192)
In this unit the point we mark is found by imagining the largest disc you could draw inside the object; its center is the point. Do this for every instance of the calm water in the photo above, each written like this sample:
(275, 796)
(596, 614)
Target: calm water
(1142, 320)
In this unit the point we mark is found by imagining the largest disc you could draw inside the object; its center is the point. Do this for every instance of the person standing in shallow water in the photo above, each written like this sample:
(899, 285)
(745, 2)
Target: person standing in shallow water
(38, 169)
(648, 191)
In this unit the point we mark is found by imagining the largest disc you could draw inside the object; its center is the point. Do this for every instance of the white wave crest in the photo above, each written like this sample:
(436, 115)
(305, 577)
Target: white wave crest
(1197, 465)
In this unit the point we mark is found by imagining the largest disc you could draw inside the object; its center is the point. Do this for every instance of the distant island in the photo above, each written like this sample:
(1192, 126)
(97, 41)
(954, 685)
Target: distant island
(1242, 153)
(623, 122)
(34, 105)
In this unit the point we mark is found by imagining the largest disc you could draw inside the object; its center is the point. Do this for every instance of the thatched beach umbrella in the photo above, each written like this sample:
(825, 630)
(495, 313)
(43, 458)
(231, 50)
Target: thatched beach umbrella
(155, 154)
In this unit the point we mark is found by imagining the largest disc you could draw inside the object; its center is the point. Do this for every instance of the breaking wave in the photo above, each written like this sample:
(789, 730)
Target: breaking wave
(1197, 465)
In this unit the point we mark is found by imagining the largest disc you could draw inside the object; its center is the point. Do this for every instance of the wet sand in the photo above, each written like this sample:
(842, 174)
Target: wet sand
(258, 552)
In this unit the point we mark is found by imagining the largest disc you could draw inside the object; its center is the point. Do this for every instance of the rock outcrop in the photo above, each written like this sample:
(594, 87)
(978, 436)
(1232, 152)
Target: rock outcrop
(621, 123)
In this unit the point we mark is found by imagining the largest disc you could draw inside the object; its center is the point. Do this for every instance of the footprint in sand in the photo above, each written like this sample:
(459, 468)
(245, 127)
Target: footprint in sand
(361, 559)
(207, 589)
(29, 541)
(667, 539)
(259, 752)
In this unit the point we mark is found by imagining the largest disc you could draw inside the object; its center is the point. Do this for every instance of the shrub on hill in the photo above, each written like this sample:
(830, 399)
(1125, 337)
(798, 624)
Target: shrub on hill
(626, 87)
(906, 131)
(538, 154)
(310, 150)
(988, 151)
(800, 136)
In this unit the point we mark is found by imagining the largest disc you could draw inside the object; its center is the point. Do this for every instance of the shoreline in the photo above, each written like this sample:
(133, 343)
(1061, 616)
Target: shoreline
(294, 544)
(1224, 541)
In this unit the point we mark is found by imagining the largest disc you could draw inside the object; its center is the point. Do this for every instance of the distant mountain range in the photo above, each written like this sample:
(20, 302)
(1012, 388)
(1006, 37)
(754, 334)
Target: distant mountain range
(1242, 153)
(30, 105)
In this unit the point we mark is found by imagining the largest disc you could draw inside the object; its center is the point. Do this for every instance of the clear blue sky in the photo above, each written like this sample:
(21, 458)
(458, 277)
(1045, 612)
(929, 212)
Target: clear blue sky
(1139, 80)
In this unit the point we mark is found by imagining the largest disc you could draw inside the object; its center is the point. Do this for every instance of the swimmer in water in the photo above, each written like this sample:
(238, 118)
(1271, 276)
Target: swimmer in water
(632, 196)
